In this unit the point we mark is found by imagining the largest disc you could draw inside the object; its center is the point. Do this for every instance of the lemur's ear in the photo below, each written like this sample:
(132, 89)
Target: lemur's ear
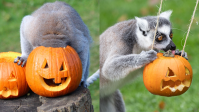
(141, 23)
(166, 14)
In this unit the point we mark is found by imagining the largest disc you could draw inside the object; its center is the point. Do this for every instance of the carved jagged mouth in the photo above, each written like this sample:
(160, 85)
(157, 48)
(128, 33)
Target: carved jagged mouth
(175, 85)
(51, 82)
(6, 92)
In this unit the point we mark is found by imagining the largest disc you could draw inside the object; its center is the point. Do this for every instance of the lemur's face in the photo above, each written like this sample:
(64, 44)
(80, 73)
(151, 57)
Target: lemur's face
(145, 33)
(163, 39)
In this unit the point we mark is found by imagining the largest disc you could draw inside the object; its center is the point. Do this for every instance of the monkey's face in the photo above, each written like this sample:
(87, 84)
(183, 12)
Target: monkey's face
(163, 39)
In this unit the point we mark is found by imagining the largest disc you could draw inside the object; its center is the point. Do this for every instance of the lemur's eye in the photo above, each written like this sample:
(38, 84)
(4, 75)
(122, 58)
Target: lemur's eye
(160, 38)
(171, 35)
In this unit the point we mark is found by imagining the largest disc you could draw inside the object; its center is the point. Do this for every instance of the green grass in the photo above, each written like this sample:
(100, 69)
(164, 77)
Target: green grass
(12, 12)
(136, 97)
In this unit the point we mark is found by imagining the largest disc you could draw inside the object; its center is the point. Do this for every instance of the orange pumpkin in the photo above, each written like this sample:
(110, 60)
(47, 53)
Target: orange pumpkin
(12, 77)
(8, 56)
(53, 72)
(168, 76)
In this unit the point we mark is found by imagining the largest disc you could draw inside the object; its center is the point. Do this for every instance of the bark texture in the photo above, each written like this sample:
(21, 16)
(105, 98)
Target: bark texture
(77, 101)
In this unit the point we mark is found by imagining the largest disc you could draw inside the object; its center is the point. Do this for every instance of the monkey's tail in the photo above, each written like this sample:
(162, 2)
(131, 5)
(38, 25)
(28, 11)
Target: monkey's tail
(93, 78)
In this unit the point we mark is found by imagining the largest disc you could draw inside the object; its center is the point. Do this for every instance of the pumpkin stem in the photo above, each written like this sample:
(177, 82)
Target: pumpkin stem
(168, 54)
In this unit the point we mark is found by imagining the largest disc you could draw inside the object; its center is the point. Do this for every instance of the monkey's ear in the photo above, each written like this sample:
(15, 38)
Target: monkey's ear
(141, 23)
(166, 14)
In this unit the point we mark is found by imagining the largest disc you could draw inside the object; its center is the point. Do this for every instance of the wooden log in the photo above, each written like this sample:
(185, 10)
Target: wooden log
(77, 101)
(27, 103)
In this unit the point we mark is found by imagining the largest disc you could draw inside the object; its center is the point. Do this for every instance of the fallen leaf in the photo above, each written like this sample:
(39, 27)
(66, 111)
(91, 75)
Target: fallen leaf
(122, 18)
(161, 105)
(144, 11)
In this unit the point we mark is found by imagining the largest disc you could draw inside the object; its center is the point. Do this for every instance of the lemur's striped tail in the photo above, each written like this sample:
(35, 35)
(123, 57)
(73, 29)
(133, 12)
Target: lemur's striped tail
(93, 78)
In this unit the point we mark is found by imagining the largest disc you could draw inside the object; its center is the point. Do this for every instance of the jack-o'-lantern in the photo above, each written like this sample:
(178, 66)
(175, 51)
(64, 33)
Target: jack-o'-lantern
(168, 76)
(12, 77)
(8, 56)
(53, 72)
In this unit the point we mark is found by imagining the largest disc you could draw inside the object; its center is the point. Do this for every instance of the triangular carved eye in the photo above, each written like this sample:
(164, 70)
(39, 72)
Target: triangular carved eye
(12, 76)
(45, 64)
(187, 71)
(63, 67)
(170, 73)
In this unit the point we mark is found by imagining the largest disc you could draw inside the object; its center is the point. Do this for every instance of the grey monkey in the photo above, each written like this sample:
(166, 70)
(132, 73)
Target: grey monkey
(55, 25)
(124, 49)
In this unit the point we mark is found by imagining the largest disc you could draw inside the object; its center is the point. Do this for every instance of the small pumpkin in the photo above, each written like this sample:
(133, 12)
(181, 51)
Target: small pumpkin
(8, 56)
(12, 77)
(53, 72)
(168, 76)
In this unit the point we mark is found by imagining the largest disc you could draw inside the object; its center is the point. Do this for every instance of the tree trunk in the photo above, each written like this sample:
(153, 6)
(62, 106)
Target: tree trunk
(77, 101)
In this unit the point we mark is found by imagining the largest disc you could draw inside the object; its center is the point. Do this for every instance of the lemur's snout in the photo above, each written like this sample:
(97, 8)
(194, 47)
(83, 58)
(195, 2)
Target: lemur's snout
(170, 46)
(173, 47)
(145, 33)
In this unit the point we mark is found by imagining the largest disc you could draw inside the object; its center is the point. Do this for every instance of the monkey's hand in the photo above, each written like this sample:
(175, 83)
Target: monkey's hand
(147, 56)
(177, 52)
(22, 60)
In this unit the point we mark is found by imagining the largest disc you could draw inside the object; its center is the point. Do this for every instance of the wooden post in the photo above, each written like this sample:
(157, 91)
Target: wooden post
(77, 101)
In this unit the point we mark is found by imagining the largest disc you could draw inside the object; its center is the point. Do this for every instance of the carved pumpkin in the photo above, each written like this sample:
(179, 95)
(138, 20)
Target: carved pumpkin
(8, 56)
(12, 77)
(168, 76)
(53, 72)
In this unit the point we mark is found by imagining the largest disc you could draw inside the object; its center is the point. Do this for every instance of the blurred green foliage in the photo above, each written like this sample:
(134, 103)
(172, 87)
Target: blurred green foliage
(136, 96)
(12, 12)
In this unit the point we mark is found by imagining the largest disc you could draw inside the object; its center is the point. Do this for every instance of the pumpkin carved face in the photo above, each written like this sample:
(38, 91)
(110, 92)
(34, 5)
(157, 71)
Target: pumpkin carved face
(168, 76)
(55, 82)
(53, 72)
(12, 77)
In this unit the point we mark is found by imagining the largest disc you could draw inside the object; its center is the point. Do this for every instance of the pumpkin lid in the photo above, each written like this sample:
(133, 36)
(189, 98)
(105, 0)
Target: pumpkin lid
(8, 56)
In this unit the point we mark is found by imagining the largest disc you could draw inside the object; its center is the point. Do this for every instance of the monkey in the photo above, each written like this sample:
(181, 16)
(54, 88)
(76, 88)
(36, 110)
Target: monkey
(124, 49)
(55, 25)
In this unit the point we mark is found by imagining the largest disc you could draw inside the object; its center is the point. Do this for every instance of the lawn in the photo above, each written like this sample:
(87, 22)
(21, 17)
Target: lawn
(136, 97)
(12, 12)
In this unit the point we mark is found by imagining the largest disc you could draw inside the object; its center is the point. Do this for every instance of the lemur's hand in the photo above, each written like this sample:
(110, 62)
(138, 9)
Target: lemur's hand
(148, 56)
(177, 52)
(22, 60)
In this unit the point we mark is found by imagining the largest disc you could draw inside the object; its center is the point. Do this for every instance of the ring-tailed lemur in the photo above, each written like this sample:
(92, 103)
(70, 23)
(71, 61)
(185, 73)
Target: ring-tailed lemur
(55, 25)
(124, 48)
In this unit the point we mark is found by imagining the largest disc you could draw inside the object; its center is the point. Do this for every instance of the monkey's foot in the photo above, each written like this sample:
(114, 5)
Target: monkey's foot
(21, 61)
(83, 83)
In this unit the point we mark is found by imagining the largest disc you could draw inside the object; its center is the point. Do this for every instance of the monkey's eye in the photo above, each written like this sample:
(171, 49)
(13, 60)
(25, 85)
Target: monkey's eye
(171, 35)
(160, 38)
